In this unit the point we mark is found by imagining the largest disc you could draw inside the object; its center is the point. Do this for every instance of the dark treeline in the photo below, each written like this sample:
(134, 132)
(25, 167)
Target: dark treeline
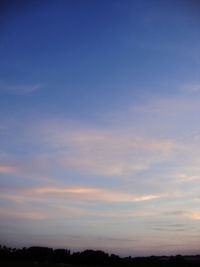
(91, 257)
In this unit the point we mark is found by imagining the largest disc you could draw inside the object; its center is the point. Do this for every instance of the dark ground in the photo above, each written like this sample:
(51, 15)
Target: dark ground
(30, 264)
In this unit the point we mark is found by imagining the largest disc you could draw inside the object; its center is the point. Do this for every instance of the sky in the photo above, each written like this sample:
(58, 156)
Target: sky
(99, 125)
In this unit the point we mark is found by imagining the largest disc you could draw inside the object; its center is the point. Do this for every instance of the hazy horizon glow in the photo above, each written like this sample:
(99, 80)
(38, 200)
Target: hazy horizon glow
(99, 125)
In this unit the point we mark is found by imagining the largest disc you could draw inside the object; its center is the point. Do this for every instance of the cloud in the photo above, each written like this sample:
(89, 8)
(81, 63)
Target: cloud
(96, 194)
(58, 202)
(8, 169)
(74, 193)
(189, 214)
(190, 88)
(118, 155)
(31, 167)
(83, 161)
(46, 190)
(186, 178)
(177, 227)
(19, 88)
(107, 152)
(167, 229)
(169, 106)
(25, 213)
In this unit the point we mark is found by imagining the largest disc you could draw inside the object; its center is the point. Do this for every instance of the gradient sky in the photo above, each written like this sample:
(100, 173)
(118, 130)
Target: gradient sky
(99, 125)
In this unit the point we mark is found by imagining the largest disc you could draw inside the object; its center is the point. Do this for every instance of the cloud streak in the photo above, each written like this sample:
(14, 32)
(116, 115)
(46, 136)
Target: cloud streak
(96, 194)
(8, 169)
(107, 152)
(195, 215)
(20, 89)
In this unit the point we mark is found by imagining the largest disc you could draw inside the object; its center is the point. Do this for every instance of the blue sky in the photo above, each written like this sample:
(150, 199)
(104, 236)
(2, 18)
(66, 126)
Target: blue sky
(99, 125)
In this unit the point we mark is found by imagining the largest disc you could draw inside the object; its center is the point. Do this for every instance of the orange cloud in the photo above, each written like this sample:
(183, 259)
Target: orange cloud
(7, 168)
(44, 190)
(23, 213)
(189, 214)
(192, 215)
(96, 194)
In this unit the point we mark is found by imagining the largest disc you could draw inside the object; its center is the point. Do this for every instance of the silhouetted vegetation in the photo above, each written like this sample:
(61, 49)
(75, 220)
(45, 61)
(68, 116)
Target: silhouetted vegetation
(43, 256)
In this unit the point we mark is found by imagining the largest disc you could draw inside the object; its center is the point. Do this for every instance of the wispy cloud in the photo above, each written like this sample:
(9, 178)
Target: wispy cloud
(58, 202)
(189, 214)
(113, 177)
(185, 178)
(97, 194)
(167, 106)
(25, 213)
(178, 227)
(19, 88)
(107, 152)
(8, 169)
(74, 193)
(190, 88)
